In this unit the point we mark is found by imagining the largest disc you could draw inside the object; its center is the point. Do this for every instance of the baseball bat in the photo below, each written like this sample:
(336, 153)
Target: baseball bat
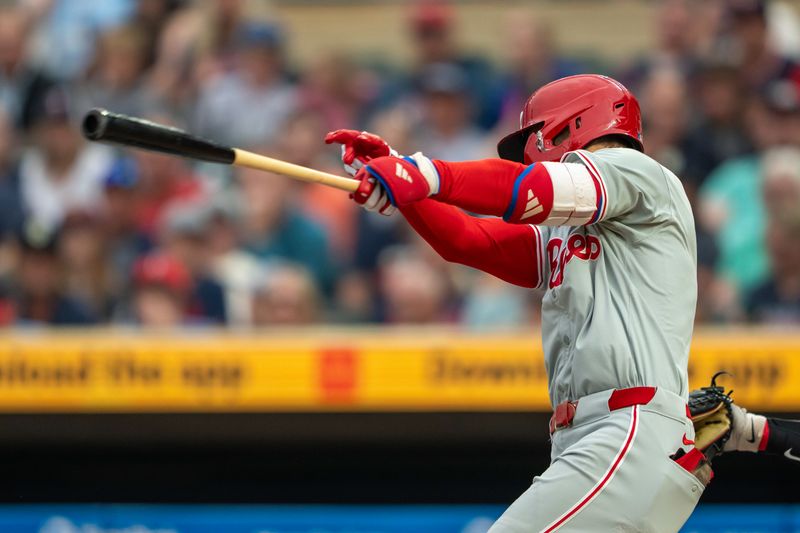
(104, 126)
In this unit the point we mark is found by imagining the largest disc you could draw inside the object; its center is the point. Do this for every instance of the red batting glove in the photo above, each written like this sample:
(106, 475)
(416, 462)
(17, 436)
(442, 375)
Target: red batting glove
(358, 148)
(395, 182)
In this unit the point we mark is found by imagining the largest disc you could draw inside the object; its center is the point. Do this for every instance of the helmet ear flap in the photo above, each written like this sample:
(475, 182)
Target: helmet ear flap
(512, 147)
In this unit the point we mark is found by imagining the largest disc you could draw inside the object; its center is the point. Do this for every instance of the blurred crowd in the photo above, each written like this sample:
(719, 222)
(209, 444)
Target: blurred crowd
(94, 235)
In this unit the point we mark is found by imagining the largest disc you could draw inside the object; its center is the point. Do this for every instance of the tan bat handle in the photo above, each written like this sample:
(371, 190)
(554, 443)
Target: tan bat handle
(244, 158)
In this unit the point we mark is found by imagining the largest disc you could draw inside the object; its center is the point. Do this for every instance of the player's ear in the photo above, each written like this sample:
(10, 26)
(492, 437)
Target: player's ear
(561, 136)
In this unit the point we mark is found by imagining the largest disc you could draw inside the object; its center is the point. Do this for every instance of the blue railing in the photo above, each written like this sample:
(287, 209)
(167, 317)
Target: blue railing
(337, 519)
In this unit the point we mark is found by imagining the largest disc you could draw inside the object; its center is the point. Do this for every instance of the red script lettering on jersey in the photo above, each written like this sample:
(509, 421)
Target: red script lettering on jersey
(586, 247)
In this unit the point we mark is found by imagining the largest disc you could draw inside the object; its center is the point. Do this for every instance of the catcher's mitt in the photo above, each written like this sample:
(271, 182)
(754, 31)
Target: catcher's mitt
(712, 415)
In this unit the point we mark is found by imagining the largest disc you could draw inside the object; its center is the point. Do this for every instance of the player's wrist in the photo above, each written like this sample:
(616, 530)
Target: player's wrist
(394, 181)
(428, 170)
(748, 431)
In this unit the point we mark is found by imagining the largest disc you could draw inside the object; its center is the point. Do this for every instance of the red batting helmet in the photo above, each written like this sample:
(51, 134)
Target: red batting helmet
(568, 114)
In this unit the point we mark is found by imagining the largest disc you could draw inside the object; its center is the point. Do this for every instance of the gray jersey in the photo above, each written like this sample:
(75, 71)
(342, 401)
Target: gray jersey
(620, 292)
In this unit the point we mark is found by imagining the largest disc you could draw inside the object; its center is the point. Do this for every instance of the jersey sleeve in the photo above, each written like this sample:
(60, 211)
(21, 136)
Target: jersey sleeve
(629, 186)
(513, 253)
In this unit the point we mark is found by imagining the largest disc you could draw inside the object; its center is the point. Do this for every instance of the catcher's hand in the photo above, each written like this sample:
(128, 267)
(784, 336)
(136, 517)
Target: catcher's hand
(712, 415)
(722, 426)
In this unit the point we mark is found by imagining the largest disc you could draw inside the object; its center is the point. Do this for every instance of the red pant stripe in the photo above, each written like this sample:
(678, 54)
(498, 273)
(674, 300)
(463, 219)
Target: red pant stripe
(626, 446)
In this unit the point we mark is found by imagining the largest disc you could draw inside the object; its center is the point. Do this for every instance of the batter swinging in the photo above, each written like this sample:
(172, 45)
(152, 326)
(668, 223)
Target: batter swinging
(608, 232)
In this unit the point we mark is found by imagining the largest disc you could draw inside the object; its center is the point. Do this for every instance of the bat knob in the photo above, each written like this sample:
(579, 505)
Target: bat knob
(94, 124)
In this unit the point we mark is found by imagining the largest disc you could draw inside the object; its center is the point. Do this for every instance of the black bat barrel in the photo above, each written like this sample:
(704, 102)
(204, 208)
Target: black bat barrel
(104, 126)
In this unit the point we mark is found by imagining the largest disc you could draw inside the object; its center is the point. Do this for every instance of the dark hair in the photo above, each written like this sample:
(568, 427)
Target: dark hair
(621, 141)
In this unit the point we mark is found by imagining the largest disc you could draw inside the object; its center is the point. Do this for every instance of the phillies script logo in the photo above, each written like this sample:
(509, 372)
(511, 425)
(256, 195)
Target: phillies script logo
(586, 247)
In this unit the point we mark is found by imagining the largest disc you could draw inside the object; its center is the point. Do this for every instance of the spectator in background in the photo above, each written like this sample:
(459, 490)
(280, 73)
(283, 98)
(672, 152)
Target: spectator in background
(533, 60)
(438, 122)
(124, 241)
(680, 30)
(777, 299)
(161, 181)
(87, 275)
(432, 26)
(328, 207)
(374, 234)
(337, 90)
(8, 311)
(354, 298)
(162, 286)
(250, 105)
(40, 299)
(490, 303)
(11, 213)
(412, 290)
(60, 172)
(274, 226)
(784, 29)
(716, 301)
(219, 23)
(717, 132)
(115, 80)
(666, 108)
(237, 270)
(446, 131)
(287, 296)
(759, 64)
(183, 237)
(173, 77)
(730, 200)
(64, 42)
(151, 17)
(781, 184)
(21, 85)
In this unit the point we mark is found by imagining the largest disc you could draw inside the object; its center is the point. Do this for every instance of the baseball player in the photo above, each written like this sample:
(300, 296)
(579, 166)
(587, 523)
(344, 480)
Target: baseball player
(580, 211)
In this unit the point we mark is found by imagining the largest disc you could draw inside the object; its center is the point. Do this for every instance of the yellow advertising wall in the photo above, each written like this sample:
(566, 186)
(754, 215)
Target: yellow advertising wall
(398, 370)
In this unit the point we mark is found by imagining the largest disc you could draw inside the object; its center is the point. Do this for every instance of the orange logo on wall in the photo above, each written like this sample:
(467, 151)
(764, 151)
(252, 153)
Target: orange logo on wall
(338, 374)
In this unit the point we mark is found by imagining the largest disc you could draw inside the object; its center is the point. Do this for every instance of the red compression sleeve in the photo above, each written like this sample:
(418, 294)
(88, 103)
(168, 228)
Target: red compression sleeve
(521, 194)
(507, 251)
(483, 186)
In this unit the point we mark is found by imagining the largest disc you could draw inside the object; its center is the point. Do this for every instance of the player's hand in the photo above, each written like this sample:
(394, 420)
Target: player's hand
(746, 431)
(391, 182)
(358, 148)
